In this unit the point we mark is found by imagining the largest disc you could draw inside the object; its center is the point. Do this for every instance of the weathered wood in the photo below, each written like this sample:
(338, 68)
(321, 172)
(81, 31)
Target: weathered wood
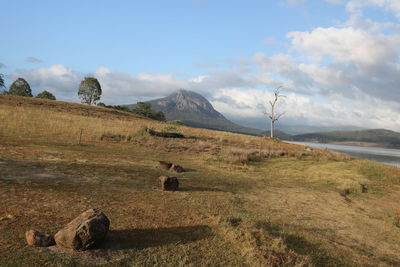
(161, 134)
(272, 115)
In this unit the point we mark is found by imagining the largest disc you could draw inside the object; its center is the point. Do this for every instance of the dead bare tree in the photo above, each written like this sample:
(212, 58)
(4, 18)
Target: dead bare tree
(272, 113)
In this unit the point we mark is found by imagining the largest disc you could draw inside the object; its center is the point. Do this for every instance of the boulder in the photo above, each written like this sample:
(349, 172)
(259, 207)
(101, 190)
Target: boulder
(38, 239)
(85, 231)
(168, 183)
(164, 165)
(176, 168)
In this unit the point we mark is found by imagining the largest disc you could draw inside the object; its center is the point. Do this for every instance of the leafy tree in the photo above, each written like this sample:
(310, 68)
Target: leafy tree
(2, 85)
(2, 81)
(20, 87)
(46, 95)
(89, 91)
(144, 109)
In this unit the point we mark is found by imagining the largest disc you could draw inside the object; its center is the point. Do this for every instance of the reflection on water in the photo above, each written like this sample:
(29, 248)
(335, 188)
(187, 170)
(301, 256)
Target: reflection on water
(383, 155)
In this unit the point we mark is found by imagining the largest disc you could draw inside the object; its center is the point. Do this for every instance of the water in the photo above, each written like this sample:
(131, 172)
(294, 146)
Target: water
(383, 155)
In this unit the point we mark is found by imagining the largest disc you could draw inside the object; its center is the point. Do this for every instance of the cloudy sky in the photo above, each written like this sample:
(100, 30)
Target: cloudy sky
(337, 60)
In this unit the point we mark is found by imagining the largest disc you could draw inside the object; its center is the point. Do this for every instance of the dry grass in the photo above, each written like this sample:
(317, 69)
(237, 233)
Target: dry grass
(245, 201)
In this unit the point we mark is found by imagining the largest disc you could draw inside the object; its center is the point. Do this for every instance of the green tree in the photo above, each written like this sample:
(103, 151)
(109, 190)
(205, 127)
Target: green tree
(144, 109)
(2, 85)
(89, 91)
(46, 95)
(20, 87)
(2, 81)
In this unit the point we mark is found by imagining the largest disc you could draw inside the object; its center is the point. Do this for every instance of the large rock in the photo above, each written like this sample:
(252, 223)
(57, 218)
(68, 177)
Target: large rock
(38, 239)
(168, 183)
(84, 231)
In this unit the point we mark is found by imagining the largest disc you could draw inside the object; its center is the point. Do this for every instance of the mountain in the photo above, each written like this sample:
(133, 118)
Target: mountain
(382, 136)
(194, 110)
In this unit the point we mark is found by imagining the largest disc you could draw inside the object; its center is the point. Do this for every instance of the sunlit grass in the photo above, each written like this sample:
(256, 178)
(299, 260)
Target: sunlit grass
(244, 201)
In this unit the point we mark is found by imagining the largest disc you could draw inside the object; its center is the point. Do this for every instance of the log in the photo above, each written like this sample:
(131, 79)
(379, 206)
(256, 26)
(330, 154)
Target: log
(167, 135)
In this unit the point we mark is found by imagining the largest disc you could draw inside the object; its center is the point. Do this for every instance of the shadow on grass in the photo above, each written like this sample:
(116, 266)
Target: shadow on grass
(201, 189)
(300, 245)
(144, 238)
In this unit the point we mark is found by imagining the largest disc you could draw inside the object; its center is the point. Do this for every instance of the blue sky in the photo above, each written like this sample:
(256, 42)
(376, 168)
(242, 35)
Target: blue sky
(335, 58)
(150, 36)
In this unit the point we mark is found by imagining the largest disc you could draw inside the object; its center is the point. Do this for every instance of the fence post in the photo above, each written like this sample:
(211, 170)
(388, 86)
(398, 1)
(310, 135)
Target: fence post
(80, 136)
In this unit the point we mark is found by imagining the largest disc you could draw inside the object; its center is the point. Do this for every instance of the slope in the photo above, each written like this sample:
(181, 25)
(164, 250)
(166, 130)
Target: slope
(243, 200)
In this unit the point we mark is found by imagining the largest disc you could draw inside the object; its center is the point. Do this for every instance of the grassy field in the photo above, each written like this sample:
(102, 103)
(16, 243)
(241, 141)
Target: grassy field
(244, 201)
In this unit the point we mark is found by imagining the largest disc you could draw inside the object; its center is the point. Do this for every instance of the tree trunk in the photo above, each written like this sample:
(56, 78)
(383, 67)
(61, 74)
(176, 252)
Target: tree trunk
(272, 129)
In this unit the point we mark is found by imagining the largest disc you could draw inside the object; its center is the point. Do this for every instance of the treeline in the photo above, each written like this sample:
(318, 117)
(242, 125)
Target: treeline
(142, 108)
(22, 88)
(89, 92)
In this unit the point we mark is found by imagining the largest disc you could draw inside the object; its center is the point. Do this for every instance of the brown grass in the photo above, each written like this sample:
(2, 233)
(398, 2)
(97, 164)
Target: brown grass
(244, 201)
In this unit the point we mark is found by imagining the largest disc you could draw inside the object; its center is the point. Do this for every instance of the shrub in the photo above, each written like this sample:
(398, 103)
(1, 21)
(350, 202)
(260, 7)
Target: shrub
(175, 122)
(169, 128)
(46, 95)
(144, 109)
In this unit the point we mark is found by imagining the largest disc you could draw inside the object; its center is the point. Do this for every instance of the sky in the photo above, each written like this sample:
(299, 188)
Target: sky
(337, 61)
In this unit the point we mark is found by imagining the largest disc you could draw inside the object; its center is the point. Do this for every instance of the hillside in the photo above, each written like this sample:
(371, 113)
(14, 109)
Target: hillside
(242, 201)
(194, 110)
(382, 136)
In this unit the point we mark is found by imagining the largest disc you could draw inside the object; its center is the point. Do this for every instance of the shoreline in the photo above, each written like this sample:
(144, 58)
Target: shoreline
(356, 143)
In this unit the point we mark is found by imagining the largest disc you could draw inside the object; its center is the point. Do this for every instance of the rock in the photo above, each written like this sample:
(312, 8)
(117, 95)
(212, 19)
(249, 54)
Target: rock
(85, 231)
(164, 165)
(364, 188)
(168, 183)
(176, 168)
(38, 239)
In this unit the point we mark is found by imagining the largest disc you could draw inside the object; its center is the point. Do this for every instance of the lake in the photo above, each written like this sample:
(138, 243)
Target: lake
(383, 155)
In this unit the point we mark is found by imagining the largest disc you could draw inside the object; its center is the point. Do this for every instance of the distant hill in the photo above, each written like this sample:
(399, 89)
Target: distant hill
(194, 110)
(373, 136)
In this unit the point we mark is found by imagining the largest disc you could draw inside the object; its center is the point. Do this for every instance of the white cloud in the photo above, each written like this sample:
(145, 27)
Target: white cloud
(58, 79)
(126, 88)
(242, 104)
(346, 45)
(356, 6)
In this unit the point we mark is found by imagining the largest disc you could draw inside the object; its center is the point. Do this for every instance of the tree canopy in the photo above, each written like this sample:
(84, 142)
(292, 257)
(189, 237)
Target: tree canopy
(144, 109)
(46, 95)
(1, 80)
(20, 87)
(89, 91)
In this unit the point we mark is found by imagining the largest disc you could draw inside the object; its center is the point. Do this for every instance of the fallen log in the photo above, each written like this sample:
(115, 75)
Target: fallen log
(161, 134)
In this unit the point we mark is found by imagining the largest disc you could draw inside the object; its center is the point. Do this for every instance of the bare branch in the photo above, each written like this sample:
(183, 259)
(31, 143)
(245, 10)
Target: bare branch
(279, 115)
(272, 115)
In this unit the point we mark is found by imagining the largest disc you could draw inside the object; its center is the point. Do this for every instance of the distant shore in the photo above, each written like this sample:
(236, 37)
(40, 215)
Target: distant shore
(362, 144)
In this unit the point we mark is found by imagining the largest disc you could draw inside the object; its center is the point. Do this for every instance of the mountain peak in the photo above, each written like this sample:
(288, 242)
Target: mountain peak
(188, 101)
